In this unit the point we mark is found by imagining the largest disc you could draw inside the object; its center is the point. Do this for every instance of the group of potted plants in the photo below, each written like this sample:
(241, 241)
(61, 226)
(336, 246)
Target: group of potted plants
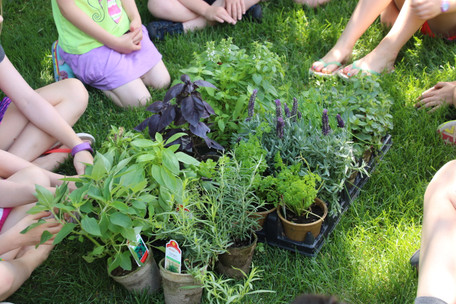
(206, 203)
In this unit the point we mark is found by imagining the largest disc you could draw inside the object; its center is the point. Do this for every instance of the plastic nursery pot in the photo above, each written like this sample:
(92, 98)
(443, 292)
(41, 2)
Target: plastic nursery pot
(180, 287)
(238, 257)
(297, 232)
(146, 277)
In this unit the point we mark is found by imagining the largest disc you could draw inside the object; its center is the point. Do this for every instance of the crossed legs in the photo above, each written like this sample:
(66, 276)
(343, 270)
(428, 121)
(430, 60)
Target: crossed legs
(22, 138)
(174, 10)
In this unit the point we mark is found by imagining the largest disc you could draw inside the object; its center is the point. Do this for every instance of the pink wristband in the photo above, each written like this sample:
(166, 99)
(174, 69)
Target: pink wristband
(85, 146)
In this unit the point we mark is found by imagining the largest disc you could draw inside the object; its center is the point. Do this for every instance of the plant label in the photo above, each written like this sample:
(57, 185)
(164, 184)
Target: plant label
(139, 250)
(173, 257)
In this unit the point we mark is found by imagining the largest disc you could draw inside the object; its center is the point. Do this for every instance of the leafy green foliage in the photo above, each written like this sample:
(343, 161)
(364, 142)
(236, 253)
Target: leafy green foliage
(237, 73)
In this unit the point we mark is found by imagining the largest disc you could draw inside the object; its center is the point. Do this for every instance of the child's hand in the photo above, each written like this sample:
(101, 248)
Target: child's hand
(80, 159)
(33, 236)
(219, 14)
(235, 8)
(426, 9)
(128, 42)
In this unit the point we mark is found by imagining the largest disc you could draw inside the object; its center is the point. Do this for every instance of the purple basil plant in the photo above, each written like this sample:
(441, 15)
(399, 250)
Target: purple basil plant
(189, 108)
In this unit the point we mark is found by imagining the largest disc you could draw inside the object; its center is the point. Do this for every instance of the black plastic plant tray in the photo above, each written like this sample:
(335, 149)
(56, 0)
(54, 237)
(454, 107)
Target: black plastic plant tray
(272, 232)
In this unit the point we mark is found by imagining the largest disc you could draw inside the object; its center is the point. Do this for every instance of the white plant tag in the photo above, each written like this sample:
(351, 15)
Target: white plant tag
(173, 257)
(139, 250)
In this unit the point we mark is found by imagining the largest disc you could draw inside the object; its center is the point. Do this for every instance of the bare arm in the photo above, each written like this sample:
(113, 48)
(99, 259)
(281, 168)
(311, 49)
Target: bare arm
(40, 112)
(82, 21)
(211, 13)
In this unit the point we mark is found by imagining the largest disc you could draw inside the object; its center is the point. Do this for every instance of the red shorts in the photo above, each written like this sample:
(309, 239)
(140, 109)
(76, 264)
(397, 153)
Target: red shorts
(4, 212)
(426, 30)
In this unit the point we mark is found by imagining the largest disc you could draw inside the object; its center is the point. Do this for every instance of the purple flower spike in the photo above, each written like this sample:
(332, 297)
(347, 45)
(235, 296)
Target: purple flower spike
(340, 122)
(294, 109)
(299, 115)
(280, 125)
(251, 105)
(278, 108)
(325, 123)
(286, 110)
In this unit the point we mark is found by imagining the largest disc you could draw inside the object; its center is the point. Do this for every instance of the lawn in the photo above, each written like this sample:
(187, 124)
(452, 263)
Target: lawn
(365, 259)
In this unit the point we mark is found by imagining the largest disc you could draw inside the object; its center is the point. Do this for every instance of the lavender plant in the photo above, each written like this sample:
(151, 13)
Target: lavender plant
(328, 152)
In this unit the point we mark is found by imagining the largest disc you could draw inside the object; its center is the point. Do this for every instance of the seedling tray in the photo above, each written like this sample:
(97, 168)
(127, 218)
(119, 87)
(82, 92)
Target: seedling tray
(272, 232)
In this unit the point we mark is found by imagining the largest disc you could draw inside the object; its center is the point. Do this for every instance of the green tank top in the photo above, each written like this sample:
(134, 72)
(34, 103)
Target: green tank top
(109, 14)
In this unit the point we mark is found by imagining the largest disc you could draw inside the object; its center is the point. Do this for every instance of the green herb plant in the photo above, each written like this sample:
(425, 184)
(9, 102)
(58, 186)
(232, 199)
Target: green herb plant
(236, 72)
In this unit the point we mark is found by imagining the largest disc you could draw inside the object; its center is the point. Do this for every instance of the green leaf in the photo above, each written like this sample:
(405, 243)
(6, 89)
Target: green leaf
(143, 143)
(174, 137)
(46, 236)
(40, 222)
(66, 230)
(120, 219)
(186, 159)
(125, 260)
(129, 234)
(44, 196)
(170, 162)
(120, 206)
(90, 225)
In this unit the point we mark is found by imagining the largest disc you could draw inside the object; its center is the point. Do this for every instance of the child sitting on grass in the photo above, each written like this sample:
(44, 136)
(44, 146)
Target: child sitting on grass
(106, 46)
(181, 16)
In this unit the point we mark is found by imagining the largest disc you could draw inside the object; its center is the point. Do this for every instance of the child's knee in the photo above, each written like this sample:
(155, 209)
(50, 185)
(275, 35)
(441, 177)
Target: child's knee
(78, 93)
(6, 281)
(157, 7)
(34, 175)
(162, 82)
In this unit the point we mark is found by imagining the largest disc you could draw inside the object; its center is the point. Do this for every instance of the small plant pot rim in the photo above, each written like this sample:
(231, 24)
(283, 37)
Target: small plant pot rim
(262, 215)
(296, 226)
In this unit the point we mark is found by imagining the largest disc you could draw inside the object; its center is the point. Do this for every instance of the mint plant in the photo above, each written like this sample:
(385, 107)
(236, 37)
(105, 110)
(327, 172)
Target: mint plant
(236, 72)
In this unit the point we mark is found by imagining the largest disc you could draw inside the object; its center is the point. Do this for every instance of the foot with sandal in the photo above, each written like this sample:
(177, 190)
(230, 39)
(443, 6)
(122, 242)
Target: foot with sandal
(406, 18)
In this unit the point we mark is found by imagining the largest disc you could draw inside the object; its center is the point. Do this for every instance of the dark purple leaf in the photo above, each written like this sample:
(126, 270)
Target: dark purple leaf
(189, 111)
(212, 144)
(209, 109)
(199, 105)
(153, 124)
(179, 120)
(166, 118)
(185, 78)
(203, 83)
(157, 107)
(200, 129)
(142, 125)
(173, 92)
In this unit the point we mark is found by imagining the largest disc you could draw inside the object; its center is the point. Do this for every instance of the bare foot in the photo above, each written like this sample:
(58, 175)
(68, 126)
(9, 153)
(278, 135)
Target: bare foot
(376, 62)
(312, 3)
(331, 62)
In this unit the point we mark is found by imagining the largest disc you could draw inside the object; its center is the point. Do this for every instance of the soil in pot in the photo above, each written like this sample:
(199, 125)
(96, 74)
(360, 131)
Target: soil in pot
(176, 287)
(146, 277)
(238, 256)
(296, 227)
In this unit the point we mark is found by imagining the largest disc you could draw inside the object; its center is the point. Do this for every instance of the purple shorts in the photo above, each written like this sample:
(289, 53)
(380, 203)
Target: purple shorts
(3, 106)
(4, 212)
(105, 69)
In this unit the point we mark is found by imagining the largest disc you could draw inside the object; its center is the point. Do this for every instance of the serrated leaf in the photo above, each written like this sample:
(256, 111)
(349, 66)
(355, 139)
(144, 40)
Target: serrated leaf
(90, 225)
(120, 219)
(66, 230)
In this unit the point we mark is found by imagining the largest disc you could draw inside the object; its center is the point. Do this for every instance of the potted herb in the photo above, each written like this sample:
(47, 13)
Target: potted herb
(184, 115)
(236, 204)
(192, 226)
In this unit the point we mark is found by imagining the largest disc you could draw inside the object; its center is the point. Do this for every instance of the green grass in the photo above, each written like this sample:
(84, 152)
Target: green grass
(365, 259)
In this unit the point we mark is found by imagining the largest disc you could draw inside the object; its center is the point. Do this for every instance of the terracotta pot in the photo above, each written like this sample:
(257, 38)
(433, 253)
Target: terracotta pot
(180, 287)
(297, 232)
(144, 277)
(238, 257)
(262, 215)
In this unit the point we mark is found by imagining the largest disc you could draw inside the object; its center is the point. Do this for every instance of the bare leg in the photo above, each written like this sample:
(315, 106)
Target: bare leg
(157, 77)
(132, 94)
(389, 15)
(311, 3)
(365, 13)
(20, 137)
(437, 276)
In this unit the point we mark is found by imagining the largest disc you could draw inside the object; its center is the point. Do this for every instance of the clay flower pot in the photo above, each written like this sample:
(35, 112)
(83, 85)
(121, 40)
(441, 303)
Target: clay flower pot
(238, 257)
(297, 232)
